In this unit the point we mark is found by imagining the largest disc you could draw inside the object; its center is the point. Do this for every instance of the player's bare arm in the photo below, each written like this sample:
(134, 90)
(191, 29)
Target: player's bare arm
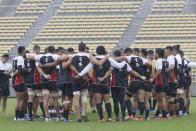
(107, 74)
(66, 64)
(96, 62)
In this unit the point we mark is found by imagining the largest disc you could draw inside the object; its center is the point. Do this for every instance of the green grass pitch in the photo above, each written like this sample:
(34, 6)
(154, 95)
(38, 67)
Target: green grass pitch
(187, 123)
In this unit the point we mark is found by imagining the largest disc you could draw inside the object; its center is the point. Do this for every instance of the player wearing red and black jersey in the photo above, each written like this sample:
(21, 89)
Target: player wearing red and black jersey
(161, 80)
(65, 80)
(171, 90)
(18, 83)
(48, 64)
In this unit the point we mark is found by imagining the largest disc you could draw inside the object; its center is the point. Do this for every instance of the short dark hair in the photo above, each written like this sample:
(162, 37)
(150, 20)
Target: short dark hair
(36, 47)
(82, 46)
(70, 50)
(128, 50)
(51, 49)
(46, 50)
(169, 48)
(6, 55)
(176, 47)
(60, 49)
(150, 52)
(181, 53)
(117, 53)
(27, 51)
(101, 50)
(122, 49)
(144, 52)
(21, 49)
(87, 48)
(136, 50)
(160, 52)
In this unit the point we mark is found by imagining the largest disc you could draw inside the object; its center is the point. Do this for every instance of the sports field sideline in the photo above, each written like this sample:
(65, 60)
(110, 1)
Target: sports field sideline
(186, 123)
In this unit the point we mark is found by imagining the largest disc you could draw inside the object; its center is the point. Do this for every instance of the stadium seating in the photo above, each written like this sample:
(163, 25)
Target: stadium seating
(104, 6)
(95, 22)
(12, 29)
(168, 6)
(32, 7)
(93, 30)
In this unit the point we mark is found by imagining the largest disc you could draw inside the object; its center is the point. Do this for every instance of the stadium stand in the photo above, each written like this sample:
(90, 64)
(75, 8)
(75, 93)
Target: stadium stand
(12, 29)
(32, 7)
(99, 6)
(93, 29)
(168, 6)
(101, 22)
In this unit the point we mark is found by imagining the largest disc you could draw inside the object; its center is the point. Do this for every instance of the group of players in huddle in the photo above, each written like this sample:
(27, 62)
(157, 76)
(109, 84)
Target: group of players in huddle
(132, 76)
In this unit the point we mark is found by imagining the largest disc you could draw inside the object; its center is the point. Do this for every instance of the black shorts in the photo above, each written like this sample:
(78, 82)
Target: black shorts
(80, 84)
(188, 82)
(118, 93)
(131, 90)
(102, 89)
(90, 88)
(20, 88)
(181, 84)
(148, 86)
(37, 86)
(171, 90)
(139, 85)
(51, 86)
(30, 86)
(160, 89)
(66, 89)
(4, 91)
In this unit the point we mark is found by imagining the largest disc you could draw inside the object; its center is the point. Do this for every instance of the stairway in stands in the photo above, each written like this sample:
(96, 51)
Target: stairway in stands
(130, 34)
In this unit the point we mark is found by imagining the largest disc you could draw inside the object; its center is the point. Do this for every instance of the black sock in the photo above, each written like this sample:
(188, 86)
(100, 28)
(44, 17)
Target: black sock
(150, 102)
(171, 113)
(66, 114)
(123, 108)
(177, 112)
(30, 108)
(157, 113)
(16, 113)
(181, 104)
(128, 106)
(164, 113)
(116, 109)
(109, 109)
(154, 104)
(184, 109)
(100, 110)
(20, 114)
(42, 108)
(171, 103)
(147, 113)
(141, 107)
(133, 113)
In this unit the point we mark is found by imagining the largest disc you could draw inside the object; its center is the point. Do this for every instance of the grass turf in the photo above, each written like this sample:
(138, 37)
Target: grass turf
(187, 123)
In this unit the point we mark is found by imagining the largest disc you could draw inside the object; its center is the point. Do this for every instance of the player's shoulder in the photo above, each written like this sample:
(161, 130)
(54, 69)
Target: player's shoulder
(160, 60)
(81, 54)
(20, 58)
(1, 63)
(99, 56)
